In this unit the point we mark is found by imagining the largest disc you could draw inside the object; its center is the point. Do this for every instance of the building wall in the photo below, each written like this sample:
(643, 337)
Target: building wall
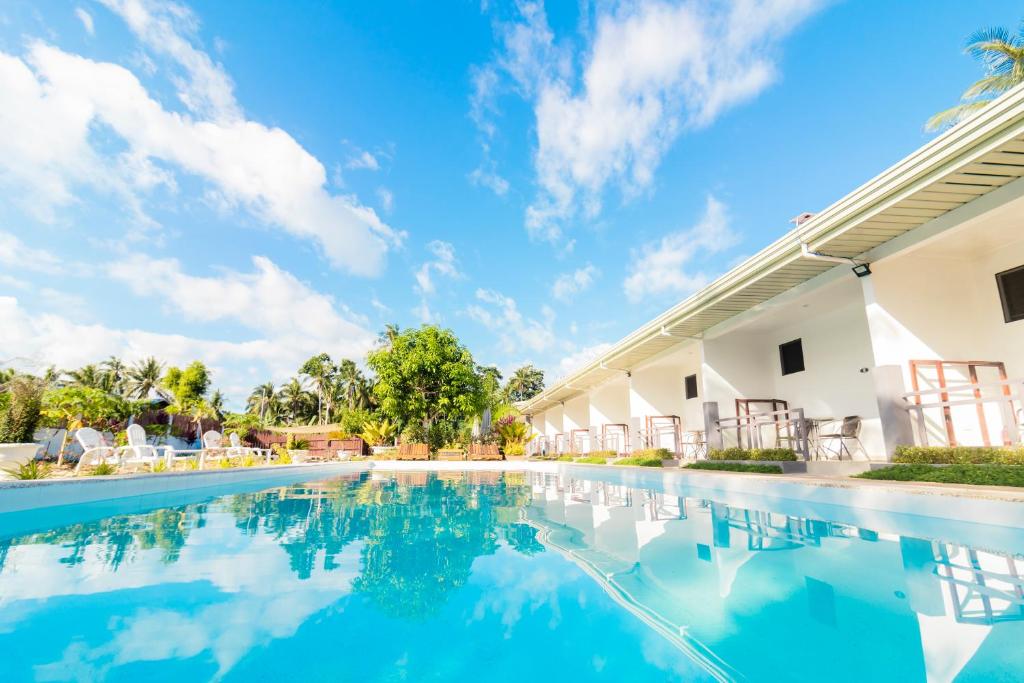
(576, 415)
(553, 418)
(609, 404)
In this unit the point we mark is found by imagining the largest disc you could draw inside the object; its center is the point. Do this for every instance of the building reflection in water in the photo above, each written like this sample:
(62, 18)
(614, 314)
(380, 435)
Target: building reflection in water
(711, 577)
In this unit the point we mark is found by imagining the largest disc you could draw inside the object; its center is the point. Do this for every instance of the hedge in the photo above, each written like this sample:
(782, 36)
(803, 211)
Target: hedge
(603, 454)
(662, 453)
(959, 455)
(642, 461)
(984, 475)
(591, 460)
(565, 458)
(771, 454)
(734, 467)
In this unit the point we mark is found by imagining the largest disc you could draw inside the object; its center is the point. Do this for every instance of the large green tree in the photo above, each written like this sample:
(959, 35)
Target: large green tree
(425, 376)
(1002, 54)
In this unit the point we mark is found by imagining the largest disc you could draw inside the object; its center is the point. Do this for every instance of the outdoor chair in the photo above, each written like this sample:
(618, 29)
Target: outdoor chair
(694, 445)
(836, 443)
(95, 451)
(237, 450)
(138, 452)
(213, 448)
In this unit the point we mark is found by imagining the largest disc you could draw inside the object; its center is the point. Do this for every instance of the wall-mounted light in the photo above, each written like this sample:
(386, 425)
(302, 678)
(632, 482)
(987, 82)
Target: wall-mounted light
(862, 269)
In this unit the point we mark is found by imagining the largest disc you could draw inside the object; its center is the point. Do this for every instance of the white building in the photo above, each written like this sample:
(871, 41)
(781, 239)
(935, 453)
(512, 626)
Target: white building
(793, 338)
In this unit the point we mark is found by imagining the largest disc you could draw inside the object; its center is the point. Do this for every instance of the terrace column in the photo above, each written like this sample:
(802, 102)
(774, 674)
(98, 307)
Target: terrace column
(885, 333)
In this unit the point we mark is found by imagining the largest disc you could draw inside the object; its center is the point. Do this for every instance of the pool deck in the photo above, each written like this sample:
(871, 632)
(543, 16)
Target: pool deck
(975, 504)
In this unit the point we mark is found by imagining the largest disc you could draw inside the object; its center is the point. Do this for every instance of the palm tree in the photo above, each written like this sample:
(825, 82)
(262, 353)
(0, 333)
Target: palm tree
(1002, 54)
(353, 385)
(260, 401)
(87, 376)
(217, 404)
(320, 369)
(386, 338)
(297, 402)
(144, 377)
(201, 410)
(114, 375)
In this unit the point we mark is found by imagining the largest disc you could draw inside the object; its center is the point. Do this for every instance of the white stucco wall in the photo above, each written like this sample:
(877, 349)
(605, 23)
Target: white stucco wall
(609, 404)
(553, 421)
(576, 415)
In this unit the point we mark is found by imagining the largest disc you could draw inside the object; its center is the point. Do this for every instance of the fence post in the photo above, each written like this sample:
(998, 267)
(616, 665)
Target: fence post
(712, 430)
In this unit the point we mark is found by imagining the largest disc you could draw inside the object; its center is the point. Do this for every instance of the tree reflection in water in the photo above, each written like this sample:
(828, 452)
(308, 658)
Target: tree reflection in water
(420, 532)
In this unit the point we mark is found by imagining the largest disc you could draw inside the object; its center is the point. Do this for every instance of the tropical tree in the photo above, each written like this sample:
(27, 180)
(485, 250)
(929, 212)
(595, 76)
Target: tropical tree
(143, 378)
(263, 402)
(354, 387)
(298, 405)
(89, 376)
(75, 407)
(187, 390)
(217, 404)
(525, 383)
(320, 370)
(388, 335)
(426, 376)
(113, 375)
(1002, 55)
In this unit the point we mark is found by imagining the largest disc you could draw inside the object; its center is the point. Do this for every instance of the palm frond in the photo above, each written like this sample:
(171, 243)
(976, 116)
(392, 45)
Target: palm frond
(990, 87)
(954, 115)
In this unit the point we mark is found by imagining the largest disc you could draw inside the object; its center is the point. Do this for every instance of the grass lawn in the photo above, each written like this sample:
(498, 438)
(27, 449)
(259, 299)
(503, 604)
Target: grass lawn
(734, 467)
(984, 475)
(642, 461)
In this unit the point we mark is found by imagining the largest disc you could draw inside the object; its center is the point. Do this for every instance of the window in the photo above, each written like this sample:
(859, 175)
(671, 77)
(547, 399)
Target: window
(1011, 293)
(691, 386)
(791, 355)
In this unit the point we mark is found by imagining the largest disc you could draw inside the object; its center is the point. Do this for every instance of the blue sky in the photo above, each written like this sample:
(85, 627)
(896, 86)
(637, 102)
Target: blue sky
(252, 183)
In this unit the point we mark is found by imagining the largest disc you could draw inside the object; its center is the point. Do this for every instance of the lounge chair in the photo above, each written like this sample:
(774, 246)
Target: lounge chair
(413, 451)
(237, 450)
(213, 448)
(484, 451)
(138, 452)
(95, 450)
(835, 443)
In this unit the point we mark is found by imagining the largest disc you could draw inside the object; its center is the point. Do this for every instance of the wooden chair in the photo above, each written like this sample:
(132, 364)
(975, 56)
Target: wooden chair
(413, 451)
(484, 451)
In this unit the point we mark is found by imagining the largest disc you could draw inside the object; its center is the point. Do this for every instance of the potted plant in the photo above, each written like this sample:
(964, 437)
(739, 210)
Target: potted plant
(20, 407)
(380, 434)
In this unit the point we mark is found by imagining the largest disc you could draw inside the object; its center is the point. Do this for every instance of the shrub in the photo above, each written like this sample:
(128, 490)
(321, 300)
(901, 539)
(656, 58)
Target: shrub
(763, 454)
(982, 475)
(563, 458)
(641, 461)
(661, 453)
(591, 460)
(515, 449)
(103, 469)
(734, 467)
(33, 469)
(603, 454)
(21, 411)
(959, 455)
(160, 466)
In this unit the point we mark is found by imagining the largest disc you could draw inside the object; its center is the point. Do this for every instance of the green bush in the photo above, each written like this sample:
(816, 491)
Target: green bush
(22, 410)
(603, 454)
(982, 475)
(103, 469)
(641, 461)
(769, 454)
(959, 455)
(592, 460)
(33, 469)
(565, 458)
(734, 467)
(661, 453)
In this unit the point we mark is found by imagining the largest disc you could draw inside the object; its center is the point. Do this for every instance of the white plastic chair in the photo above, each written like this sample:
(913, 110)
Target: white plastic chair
(237, 450)
(95, 451)
(138, 452)
(213, 448)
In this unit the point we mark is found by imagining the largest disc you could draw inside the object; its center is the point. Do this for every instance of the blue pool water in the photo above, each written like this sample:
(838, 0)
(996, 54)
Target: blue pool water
(502, 577)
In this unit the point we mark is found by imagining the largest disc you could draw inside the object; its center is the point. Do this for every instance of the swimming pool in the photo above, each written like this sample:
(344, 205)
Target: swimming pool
(470, 576)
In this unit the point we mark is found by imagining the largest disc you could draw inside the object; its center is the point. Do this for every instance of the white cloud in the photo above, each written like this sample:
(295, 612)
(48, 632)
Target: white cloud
(649, 70)
(86, 20)
(16, 254)
(485, 176)
(443, 263)
(568, 285)
(365, 161)
(51, 102)
(289, 322)
(662, 267)
(169, 29)
(387, 199)
(578, 359)
(500, 314)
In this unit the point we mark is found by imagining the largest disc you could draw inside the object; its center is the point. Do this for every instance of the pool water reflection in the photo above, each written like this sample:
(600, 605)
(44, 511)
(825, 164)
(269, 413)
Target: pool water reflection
(499, 577)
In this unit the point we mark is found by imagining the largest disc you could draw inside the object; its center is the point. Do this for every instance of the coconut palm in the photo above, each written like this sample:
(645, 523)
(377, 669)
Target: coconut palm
(298, 404)
(217, 404)
(144, 377)
(114, 375)
(263, 402)
(1002, 55)
(353, 385)
(89, 376)
(387, 337)
(321, 370)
